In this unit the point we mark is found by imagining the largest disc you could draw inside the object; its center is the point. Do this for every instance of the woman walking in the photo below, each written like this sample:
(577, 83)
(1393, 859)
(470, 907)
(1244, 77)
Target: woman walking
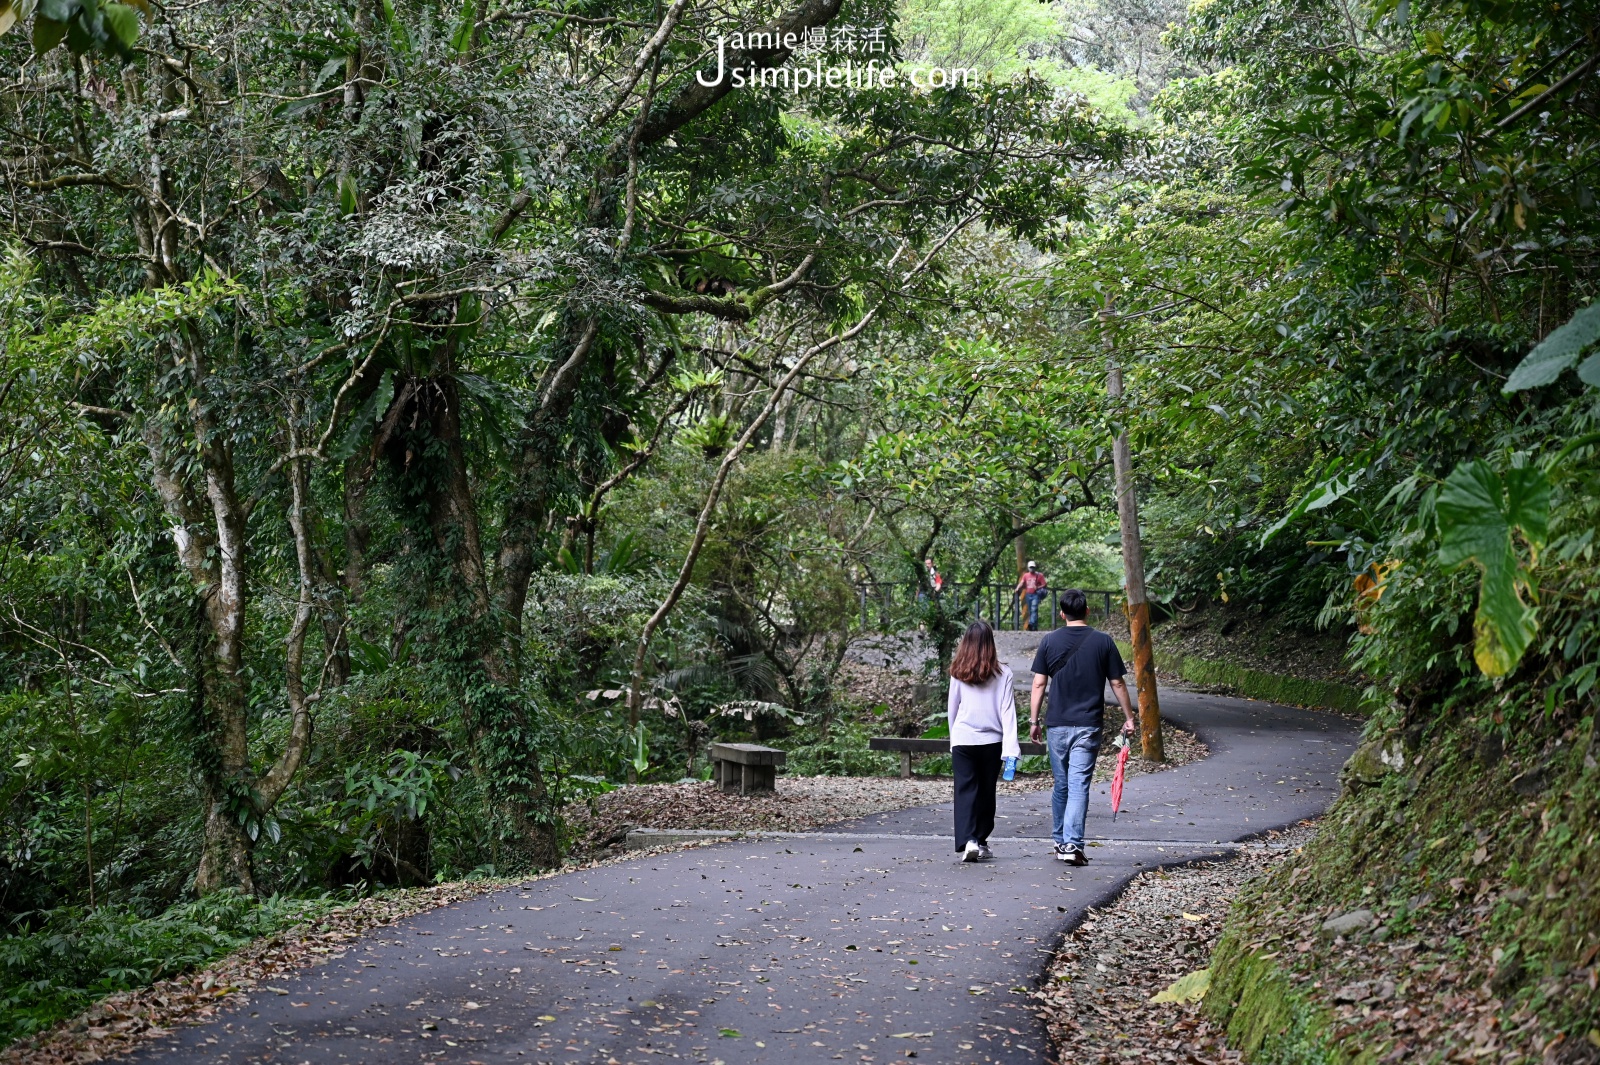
(982, 710)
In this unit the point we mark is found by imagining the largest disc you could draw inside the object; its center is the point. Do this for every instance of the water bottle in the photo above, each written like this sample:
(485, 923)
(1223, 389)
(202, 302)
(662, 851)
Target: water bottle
(1010, 768)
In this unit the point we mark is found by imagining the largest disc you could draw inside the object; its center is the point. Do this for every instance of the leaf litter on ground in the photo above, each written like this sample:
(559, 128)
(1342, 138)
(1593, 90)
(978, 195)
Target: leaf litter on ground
(1127, 983)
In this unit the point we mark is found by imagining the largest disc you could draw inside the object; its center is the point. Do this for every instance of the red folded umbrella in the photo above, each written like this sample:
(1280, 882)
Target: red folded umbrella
(1116, 778)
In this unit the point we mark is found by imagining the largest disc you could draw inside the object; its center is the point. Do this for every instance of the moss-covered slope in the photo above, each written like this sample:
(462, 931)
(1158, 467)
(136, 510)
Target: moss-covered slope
(1448, 910)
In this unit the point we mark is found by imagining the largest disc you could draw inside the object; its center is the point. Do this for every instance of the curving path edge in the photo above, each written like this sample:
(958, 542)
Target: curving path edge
(873, 947)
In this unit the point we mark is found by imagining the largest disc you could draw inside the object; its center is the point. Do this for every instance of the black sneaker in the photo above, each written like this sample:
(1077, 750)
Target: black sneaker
(1064, 853)
(1079, 858)
(984, 853)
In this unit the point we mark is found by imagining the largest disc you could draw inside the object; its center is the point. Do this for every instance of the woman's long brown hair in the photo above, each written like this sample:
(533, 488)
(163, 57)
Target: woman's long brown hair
(976, 661)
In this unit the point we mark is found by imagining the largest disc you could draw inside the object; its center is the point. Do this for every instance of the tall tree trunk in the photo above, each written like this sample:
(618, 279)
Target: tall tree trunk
(211, 547)
(536, 475)
(452, 512)
(1021, 542)
(225, 749)
(1144, 664)
(357, 528)
(208, 529)
(333, 609)
(430, 462)
(225, 859)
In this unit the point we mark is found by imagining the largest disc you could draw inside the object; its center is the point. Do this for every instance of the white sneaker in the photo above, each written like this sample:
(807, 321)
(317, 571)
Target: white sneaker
(973, 852)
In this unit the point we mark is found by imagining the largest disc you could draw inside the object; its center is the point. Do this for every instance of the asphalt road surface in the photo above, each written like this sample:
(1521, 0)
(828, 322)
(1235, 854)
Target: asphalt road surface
(874, 947)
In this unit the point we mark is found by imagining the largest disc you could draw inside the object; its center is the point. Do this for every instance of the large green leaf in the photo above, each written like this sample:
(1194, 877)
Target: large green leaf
(85, 31)
(461, 41)
(47, 33)
(303, 104)
(61, 10)
(1479, 510)
(1324, 495)
(123, 22)
(10, 12)
(1589, 371)
(1558, 351)
(349, 198)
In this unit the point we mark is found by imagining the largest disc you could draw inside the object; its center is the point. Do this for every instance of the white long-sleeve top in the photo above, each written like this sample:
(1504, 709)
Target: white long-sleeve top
(984, 713)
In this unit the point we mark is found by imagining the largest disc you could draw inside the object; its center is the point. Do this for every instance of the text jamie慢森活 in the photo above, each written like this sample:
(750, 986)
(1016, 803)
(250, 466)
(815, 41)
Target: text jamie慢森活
(850, 74)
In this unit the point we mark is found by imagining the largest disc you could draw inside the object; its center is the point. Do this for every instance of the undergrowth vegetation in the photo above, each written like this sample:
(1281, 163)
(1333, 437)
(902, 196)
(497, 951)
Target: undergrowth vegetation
(840, 751)
(1475, 860)
(71, 957)
(1259, 684)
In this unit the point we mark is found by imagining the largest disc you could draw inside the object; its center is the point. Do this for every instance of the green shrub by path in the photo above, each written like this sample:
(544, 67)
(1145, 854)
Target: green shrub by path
(1271, 687)
(1257, 684)
(841, 751)
(69, 958)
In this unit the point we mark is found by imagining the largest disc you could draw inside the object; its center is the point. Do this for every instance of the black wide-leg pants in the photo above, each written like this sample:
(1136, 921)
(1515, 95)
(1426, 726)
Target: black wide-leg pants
(976, 768)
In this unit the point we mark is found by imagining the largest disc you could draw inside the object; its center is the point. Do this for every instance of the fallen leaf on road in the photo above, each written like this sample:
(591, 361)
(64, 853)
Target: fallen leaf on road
(1191, 988)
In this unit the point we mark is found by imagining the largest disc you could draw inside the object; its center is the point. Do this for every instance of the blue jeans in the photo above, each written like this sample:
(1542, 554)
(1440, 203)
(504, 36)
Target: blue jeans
(1072, 752)
(1033, 599)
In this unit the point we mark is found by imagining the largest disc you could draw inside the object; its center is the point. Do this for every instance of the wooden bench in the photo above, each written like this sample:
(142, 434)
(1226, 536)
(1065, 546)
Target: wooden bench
(906, 748)
(746, 767)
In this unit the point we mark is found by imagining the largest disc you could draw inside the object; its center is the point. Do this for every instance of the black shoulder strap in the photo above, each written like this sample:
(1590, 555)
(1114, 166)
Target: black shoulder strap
(1068, 656)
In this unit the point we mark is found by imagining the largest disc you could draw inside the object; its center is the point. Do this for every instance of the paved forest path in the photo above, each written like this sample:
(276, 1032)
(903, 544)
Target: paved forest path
(863, 944)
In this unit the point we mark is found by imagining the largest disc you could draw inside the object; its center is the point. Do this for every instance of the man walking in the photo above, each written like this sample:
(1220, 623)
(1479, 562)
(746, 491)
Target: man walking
(1073, 665)
(1033, 587)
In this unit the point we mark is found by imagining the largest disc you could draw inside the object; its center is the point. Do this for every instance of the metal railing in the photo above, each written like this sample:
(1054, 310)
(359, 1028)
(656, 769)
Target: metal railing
(996, 603)
(1003, 608)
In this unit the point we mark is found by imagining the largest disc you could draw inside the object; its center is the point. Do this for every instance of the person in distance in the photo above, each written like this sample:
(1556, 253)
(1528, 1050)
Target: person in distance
(1033, 586)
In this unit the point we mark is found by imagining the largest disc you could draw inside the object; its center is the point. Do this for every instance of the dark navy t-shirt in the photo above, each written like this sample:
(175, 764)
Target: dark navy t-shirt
(1078, 660)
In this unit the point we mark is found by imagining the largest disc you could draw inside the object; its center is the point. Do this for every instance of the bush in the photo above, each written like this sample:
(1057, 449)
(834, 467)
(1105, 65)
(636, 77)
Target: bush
(1273, 687)
(68, 958)
(840, 751)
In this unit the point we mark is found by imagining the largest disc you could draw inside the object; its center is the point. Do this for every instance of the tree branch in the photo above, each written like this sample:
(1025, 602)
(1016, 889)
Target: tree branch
(277, 778)
(1539, 101)
(646, 56)
(714, 494)
(695, 98)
